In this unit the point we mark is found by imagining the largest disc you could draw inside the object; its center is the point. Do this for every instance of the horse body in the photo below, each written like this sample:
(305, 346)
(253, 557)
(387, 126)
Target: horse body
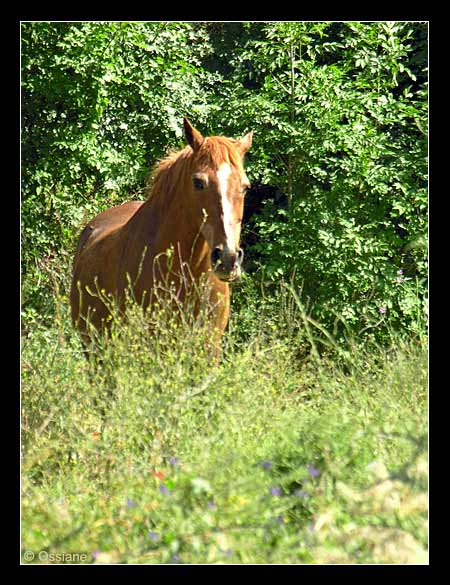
(195, 208)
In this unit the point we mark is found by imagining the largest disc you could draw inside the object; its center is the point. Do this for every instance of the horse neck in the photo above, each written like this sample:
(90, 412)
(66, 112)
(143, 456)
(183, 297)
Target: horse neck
(165, 219)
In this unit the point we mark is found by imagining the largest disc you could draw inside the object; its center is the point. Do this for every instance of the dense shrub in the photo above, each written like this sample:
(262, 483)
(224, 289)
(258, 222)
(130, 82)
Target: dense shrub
(340, 115)
(101, 103)
(339, 112)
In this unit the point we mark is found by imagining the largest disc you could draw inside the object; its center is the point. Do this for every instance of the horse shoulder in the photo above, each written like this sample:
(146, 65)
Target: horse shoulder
(96, 262)
(115, 217)
(105, 223)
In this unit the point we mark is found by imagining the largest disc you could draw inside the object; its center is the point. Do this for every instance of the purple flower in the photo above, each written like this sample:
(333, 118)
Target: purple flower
(400, 272)
(153, 535)
(130, 503)
(382, 310)
(266, 464)
(275, 491)
(174, 461)
(228, 552)
(211, 504)
(96, 554)
(400, 279)
(176, 558)
(164, 490)
(313, 471)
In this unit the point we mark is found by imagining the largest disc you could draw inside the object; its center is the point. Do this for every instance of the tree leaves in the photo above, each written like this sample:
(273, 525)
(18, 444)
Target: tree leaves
(101, 103)
(333, 126)
(339, 112)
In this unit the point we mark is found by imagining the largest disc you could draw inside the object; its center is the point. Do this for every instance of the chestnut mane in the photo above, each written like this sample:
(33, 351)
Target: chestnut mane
(173, 170)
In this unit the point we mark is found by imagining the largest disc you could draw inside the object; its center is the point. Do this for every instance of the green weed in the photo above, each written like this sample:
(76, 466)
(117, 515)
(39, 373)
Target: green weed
(164, 455)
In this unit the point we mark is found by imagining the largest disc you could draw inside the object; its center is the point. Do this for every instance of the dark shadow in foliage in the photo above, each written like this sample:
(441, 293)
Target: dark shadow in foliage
(256, 198)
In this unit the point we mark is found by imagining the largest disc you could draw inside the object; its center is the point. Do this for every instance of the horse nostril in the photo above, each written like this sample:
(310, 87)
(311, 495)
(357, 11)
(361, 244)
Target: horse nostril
(215, 256)
(239, 256)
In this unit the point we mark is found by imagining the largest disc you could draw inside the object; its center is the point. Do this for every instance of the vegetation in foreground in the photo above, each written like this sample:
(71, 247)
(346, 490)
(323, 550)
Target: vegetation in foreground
(273, 455)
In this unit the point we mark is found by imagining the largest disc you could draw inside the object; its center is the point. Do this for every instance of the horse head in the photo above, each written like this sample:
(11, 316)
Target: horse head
(216, 187)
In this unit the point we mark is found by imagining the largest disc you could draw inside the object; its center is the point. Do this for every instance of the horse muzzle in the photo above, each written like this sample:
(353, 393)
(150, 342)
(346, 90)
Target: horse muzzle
(226, 264)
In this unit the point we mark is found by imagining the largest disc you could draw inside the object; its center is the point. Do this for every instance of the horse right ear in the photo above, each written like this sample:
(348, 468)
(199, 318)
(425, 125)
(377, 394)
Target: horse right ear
(193, 136)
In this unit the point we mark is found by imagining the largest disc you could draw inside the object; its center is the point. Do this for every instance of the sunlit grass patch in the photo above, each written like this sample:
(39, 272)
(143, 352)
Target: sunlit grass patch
(164, 455)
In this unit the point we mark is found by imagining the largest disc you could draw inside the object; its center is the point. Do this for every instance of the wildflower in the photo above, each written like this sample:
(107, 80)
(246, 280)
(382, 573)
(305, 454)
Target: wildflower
(175, 558)
(275, 491)
(164, 490)
(400, 279)
(400, 272)
(153, 535)
(130, 503)
(266, 464)
(211, 504)
(96, 554)
(158, 474)
(382, 310)
(228, 552)
(174, 461)
(313, 471)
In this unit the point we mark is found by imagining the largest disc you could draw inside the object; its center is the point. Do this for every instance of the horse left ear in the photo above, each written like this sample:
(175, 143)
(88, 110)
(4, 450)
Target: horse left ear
(193, 136)
(246, 142)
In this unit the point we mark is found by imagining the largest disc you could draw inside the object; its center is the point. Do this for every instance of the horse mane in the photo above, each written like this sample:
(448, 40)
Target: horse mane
(171, 172)
(168, 173)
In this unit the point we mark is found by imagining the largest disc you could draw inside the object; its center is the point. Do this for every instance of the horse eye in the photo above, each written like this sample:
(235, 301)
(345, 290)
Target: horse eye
(198, 184)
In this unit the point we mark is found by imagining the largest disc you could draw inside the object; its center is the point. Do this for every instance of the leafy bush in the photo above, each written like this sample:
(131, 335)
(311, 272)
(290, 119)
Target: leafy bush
(101, 103)
(339, 112)
(340, 115)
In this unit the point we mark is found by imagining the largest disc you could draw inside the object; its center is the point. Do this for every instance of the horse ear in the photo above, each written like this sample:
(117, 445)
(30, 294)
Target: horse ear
(193, 136)
(246, 142)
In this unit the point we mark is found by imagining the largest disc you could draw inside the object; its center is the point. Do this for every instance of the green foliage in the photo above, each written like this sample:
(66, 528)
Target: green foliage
(307, 442)
(339, 112)
(101, 103)
(164, 456)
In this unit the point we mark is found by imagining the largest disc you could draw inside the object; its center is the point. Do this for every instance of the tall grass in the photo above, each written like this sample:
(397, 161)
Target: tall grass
(274, 454)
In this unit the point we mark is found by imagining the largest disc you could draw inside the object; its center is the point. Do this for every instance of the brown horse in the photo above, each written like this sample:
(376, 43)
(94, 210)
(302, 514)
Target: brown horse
(194, 207)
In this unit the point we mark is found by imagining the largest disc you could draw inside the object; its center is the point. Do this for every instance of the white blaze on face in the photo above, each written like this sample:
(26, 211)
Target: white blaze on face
(222, 174)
